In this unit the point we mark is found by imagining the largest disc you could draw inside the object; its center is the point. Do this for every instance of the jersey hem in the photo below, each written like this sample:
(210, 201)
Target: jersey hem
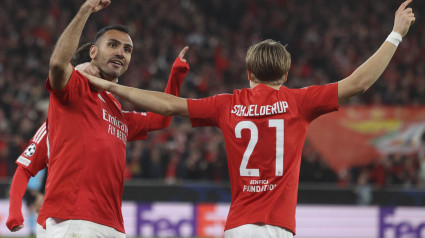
(270, 222)
(67, 217)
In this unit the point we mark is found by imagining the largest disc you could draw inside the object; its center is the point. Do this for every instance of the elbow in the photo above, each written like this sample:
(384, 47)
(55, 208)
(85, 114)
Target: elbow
(164, 109)
(173, 108)
(168, 111)
(361, 84)
(166, 105)
(362, 89)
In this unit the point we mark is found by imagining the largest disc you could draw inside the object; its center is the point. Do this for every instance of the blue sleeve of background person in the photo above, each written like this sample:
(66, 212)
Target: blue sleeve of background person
(35, 182)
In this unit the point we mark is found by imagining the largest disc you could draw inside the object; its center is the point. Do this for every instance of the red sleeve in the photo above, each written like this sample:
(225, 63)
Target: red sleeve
(177, 75)
(34, 158)
(207, 111)
(16, 193)
(319, 100)
(136, 122)
(142, 124)
(77, 86)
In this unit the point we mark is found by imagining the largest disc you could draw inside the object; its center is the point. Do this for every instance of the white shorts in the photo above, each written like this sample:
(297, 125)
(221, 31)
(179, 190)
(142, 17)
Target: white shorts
(59, 228)
(40, 231)
(258, 231)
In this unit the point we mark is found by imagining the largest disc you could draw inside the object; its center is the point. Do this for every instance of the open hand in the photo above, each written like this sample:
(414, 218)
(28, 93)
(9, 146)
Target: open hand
(404, 18)
(98, 83)
(88, 68)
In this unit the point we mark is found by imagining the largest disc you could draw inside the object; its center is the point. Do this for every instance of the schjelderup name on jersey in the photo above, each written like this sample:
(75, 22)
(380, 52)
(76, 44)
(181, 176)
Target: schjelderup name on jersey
(256, 186)
(116, 127)
(257, 110)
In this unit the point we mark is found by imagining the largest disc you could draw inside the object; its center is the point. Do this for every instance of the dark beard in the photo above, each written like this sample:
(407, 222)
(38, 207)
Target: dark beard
(105, 75)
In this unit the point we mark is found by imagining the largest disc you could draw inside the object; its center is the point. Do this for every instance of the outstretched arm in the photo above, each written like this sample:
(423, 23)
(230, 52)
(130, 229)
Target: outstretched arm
(367, 74)
(60, 67)
(161, 103)
(179, 71)
(15, 221)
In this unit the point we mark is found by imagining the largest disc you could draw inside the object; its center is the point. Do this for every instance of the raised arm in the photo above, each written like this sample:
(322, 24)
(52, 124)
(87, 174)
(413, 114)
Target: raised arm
(367, 74)
(179, 71)
(60, 67)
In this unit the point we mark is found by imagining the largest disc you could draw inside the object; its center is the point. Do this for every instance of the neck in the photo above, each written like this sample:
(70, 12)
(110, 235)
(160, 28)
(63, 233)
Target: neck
(103, 75)
(254, 84)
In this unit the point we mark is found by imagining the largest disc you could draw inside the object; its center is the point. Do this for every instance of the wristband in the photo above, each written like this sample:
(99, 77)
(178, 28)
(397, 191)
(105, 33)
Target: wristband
(394, 38)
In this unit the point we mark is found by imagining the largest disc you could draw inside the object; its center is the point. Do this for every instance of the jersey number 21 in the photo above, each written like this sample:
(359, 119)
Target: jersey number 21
(279, 125)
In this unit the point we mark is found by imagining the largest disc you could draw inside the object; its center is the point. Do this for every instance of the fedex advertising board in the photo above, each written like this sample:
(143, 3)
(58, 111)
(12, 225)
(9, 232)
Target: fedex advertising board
(208, 220)
(211, 219)
(360, 222)
(166, 220)
(336, 222)
(407, 222)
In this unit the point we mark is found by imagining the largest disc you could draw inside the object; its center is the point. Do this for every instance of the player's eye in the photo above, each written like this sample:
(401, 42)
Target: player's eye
(128, 49)
(112, 44)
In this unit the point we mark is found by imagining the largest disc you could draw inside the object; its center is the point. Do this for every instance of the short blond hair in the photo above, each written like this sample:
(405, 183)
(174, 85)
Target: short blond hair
(268, 61)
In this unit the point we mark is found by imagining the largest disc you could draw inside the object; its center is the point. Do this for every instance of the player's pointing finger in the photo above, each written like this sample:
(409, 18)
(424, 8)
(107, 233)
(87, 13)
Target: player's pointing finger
(404, 5)
(183, 52)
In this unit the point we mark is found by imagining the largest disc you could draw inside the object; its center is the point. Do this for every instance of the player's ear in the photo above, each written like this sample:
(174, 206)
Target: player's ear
(93, 51)
(249, 75)
(285, 77)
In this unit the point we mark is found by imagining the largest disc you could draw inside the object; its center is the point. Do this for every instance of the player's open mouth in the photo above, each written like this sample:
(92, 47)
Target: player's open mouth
(117, 62)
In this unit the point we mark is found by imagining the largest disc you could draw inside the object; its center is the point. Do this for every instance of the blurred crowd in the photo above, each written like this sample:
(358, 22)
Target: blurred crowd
(327, 41)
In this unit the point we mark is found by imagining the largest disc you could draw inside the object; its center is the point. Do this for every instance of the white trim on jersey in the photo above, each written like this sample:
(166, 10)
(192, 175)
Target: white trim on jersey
(134, 112)
(101, 98)
(48, 148)
(40, 134)
(41, 137)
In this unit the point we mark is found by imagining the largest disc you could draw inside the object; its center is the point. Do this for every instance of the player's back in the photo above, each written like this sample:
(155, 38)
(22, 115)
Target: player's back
(264, 130)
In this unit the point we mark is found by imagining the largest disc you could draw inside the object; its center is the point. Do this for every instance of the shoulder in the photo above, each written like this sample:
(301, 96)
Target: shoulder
(215, 98)
(293, 92)
(212, 103)
(76, 80)
(223, 99)
(308, 89)
(224, 95)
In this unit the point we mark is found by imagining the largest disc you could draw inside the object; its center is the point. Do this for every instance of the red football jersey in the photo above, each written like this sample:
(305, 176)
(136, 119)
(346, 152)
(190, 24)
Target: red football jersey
(34, 158)
(87, 133)
(264, 130)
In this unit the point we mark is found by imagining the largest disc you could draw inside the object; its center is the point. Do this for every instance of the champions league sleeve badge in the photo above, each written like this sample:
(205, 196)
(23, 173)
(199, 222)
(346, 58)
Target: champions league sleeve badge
(30, 150)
